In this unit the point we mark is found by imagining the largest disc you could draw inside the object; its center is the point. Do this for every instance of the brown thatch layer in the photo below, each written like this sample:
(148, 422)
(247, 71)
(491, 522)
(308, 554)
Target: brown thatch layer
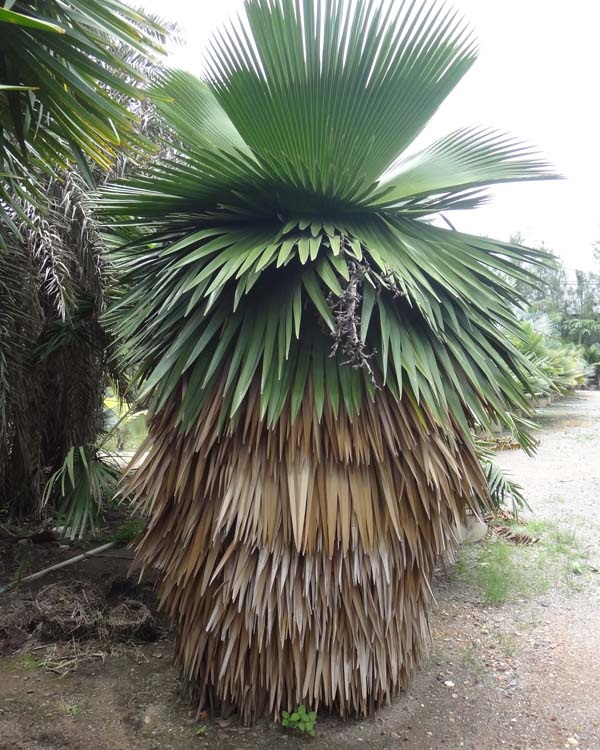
(297, 561)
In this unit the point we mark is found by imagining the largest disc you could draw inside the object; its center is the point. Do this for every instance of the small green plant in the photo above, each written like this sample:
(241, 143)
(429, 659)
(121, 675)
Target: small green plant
(71, 708)
(202, 731)
(300, 719)
(128, 531)
(23, 560)
(80, 488)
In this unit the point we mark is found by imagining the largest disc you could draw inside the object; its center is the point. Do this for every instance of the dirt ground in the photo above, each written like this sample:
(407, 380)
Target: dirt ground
(520, 675)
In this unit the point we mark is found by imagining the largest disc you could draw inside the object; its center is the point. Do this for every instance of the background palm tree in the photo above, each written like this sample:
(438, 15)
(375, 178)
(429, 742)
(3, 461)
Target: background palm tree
(316, 351)
(70, 77)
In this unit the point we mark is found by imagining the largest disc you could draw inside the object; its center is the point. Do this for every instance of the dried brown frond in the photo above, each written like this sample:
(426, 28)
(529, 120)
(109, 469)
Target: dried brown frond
(67, 657)
(505, 443)
(75, 612)
(496, 526)
(516, 537)
(129, 619)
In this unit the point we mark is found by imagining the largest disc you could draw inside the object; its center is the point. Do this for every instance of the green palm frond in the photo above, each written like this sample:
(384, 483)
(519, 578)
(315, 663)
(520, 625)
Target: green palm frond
(327, 95)
(502, 489)
(82, 485)
(455, 168)
(59, 75)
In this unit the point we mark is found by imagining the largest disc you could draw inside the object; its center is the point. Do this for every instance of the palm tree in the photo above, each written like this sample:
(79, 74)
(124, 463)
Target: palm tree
(70, 109)
(54, 350)
(314, 348)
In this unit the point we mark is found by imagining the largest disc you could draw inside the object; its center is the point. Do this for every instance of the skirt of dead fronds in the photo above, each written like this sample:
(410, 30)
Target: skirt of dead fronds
(296, 561)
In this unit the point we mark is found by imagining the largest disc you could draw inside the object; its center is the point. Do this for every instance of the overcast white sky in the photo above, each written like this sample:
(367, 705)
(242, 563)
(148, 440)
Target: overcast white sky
(537, 77)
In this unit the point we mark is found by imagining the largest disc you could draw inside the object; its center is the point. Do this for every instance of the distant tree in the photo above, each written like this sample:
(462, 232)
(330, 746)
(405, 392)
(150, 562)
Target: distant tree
(558, 293)
(585, 331)
(549, 295)
(583, 295)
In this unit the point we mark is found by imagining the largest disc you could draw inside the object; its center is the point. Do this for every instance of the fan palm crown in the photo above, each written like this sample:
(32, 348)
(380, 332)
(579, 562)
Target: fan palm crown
(294, 178)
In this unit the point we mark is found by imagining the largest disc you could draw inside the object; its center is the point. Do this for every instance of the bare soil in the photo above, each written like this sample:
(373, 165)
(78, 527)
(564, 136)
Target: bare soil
(521, 675)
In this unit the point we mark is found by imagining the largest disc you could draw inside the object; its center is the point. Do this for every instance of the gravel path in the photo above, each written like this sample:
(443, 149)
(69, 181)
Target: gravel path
(562, 481)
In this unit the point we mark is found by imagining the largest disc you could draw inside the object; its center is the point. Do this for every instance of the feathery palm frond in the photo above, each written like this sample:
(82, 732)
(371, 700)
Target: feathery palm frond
(315, 353)
(55, 361)
(504, 489)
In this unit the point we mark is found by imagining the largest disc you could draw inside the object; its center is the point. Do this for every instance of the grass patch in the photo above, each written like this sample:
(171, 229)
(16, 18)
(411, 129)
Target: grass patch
(128, 531)
(493, 568)
(508, 643)
(554, 539)
(27, 662)
(472, 661)
(501, 571)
